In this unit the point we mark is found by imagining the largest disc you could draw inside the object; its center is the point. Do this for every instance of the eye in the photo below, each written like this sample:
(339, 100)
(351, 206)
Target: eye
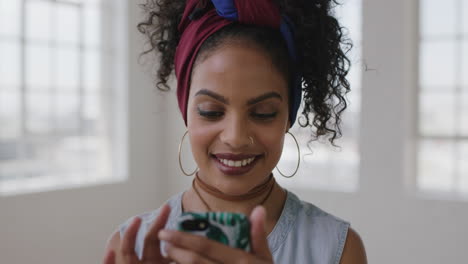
(264, 116)
(210, 114)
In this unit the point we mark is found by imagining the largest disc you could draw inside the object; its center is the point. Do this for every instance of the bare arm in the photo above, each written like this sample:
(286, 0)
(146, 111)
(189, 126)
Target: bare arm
(354, 251)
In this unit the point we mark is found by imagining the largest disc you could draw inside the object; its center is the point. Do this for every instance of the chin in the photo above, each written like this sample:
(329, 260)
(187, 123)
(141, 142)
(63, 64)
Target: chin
(235, 185)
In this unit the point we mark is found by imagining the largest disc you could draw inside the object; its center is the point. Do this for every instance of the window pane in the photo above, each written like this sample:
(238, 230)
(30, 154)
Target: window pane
(92, 2)
(38, 20)
(38, 113)
(350, 125)
(8, 153)
(38, 67)
(92, 23)
(92, 107)
(463, 163)
(77, 158)
(67, 156)
(464, 67)
(93, 114)
(67, 114)
(10, 64)
(36, 159)
(437, 64)
(463, 122)
(354, 101)
(9, 114)
(349, 14)
(67, 68)
(436, 165)
(92, 70)
(438, 17)
(437, 113)
(68, 29)
(66, 141)
(465, 16)
(333, 169)
(10, 17)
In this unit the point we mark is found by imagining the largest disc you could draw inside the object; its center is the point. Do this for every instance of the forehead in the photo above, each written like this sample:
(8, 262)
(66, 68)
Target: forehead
(238, 71)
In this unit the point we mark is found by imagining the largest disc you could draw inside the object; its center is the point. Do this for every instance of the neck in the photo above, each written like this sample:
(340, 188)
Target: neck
(258, 191)
(269, 194)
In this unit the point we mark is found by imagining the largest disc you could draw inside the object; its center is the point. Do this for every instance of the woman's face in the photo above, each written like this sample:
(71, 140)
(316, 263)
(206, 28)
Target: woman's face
(237, 95)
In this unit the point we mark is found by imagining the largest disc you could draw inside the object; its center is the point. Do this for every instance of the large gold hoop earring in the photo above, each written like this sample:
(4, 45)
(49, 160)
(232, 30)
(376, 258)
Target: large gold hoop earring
(180, 160)
(298, 159)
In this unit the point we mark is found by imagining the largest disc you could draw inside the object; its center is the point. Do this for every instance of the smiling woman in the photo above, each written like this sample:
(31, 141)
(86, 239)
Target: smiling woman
(243, 68)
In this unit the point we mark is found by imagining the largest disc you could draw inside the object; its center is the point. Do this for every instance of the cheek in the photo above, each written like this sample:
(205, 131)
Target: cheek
(201, 138)
(272, 142)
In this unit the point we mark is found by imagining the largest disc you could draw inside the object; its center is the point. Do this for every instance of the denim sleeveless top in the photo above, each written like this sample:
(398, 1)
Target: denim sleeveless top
(303, 234)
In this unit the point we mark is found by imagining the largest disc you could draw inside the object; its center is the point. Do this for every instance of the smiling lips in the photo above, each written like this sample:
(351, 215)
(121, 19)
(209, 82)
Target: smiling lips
(233, 164)
(238, 163)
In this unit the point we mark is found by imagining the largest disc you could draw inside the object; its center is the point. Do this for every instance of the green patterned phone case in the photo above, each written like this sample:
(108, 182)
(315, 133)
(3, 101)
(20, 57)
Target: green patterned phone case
(231, 229)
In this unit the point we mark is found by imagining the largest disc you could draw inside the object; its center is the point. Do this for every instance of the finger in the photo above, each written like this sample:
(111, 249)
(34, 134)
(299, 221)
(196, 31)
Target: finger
(181, 255)
(152, 250)
(109, 258)
(128, 243)
(201, 245)
(258, 233)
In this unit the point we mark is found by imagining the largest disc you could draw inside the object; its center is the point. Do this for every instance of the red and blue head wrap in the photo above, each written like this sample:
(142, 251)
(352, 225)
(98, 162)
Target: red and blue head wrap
(198, 24)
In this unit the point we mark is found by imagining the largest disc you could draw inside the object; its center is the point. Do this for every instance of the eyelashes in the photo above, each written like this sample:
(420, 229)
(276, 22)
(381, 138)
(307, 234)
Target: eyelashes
(265, 115)
(214, 115)
(210, 114)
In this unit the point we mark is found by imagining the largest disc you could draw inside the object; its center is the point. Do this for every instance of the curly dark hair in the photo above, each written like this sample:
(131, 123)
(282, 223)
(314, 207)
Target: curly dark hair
(321, 43)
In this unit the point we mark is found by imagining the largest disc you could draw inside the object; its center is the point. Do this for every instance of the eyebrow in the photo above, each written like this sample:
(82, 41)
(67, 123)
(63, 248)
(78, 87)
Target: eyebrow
(216, 96)
(249, 102)
(264, 97)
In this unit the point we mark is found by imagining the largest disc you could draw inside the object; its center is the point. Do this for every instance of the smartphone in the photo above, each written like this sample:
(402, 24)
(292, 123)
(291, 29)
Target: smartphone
(232, 229)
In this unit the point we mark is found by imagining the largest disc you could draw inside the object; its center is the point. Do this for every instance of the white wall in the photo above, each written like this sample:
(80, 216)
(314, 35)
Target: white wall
(397, 226)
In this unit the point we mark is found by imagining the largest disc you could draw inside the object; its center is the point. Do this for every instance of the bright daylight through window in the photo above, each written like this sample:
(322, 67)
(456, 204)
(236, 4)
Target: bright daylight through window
(61, 81)
(443, 97)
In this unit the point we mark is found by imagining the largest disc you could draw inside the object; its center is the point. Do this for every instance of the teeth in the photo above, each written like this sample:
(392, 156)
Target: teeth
(236, 163)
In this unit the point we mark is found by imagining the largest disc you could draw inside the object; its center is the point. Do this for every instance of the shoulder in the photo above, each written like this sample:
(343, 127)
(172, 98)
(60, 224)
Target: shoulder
(321, 220)
(354, 251)
(349, 248)
(320, 235)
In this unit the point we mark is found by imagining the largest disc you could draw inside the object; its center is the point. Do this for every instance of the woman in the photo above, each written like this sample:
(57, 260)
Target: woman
(242, 68)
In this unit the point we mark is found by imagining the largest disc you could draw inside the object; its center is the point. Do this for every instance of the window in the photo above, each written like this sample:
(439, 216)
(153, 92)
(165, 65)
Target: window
(61, 113)
(443, 97)
(323, 166)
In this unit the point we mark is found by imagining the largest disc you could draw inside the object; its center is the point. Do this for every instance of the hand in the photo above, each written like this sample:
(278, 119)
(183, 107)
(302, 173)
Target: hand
(188, 248)
(125, 251)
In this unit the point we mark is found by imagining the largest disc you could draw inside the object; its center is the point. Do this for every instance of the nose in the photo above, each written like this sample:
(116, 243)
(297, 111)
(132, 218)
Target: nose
(235, 133)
